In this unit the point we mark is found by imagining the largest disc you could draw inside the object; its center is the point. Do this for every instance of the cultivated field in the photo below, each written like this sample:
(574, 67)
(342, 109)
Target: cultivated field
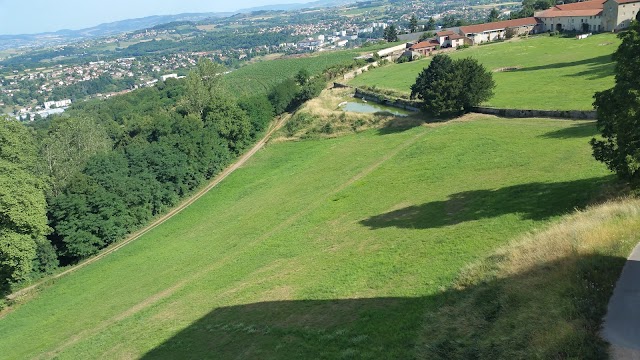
(553, 73)
(261, 76)
(333, 248)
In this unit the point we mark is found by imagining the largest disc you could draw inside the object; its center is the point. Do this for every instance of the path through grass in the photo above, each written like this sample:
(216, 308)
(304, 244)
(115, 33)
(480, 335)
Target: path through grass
(320, 248)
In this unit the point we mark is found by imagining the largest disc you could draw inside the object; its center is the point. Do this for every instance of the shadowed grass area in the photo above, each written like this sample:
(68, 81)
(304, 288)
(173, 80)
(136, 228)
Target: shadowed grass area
(480, 204)
(543, 297)
(582, 130)
(287, 228)
(551, 73)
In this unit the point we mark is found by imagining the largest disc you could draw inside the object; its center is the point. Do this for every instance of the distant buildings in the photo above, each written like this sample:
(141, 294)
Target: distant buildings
(425, 47)
(589, 16)
(449, 39)
(498, 30)
(169, 76)
(57, 104)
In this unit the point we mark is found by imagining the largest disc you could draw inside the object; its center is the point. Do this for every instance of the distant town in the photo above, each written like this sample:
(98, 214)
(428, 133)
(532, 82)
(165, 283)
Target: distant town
(37, 82)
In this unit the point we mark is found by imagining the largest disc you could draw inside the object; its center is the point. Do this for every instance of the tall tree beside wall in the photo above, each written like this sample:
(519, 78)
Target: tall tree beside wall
(413, 24)
(391, 33)
(431, 25)
(450, 87)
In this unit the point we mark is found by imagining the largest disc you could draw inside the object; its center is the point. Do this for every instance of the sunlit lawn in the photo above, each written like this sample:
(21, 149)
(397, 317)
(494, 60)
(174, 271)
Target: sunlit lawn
(318, 248)
(553, 73)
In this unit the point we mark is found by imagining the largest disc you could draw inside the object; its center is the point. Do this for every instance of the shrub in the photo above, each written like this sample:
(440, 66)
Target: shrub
(403, 59)
(297, 122)
(327, 128)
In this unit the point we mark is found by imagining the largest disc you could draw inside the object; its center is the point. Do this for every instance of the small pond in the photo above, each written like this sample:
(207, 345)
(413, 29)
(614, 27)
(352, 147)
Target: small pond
(359, 106)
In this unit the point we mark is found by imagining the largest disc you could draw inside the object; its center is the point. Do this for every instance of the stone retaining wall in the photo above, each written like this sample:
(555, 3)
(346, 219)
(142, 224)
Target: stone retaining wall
(559, 114)
(413, 105)
(387, 100)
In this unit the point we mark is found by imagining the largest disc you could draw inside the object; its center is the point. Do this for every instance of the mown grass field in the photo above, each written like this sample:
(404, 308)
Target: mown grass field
(333, 248)
(554, 73)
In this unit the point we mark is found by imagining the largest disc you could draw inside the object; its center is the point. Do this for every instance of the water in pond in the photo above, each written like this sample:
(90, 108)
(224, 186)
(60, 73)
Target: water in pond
(359, 106)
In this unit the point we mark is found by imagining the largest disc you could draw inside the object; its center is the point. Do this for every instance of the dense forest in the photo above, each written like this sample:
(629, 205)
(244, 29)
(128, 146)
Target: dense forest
(75, 183)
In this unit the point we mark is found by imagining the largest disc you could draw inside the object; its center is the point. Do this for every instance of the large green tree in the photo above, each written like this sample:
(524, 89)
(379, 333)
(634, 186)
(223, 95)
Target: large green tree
(23, 221)
(494, 15)
(391, 33)
(231, 123)
(438, 86)
(450, 87)
(203, 83)
(477, 83)
(67, 147)
(619, 112)
(283, 94)
(431, 25)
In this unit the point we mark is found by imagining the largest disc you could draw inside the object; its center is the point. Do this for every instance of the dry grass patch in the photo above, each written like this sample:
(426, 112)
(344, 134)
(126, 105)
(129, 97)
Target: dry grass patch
(543, 296)
(323, 117)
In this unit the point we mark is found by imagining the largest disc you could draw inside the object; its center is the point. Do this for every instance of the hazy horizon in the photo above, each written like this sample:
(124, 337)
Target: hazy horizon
(40, 16)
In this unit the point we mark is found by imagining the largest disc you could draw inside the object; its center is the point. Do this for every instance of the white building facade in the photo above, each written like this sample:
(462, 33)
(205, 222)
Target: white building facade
(589, 16)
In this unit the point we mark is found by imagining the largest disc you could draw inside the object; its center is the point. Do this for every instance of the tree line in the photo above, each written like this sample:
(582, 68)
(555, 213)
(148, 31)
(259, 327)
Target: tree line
(76, 183)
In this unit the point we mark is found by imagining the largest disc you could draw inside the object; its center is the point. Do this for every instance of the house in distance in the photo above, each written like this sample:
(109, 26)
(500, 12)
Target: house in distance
(589, 16)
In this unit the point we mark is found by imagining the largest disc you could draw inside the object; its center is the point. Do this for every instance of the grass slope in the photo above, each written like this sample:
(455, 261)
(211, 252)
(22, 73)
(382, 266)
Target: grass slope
(555, 73)
(317, 249)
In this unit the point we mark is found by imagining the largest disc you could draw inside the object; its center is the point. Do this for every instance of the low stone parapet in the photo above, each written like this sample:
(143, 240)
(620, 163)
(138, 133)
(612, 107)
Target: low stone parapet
(525, 113)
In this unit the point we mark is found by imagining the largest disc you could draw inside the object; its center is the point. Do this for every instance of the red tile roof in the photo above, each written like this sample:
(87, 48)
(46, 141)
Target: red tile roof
(445, 33)
(626, 1)
(458, 36)
(552, 13)
(425, 44)
(585, 5)
(498, 25)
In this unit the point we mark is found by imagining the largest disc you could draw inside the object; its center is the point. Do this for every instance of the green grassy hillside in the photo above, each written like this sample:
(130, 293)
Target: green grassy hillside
(553, 73)
(335, 248)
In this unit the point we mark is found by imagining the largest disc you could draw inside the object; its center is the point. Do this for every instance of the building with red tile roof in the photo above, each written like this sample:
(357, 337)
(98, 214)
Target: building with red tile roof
(492, 31)
(425, 47)
(589, 16)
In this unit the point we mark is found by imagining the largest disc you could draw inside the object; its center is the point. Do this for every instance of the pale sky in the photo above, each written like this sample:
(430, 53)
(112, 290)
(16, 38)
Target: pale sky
(35, 16)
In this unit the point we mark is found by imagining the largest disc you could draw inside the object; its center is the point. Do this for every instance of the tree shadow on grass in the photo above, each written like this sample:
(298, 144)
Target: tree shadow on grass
(603, 60)
(535, 201)
(597, 71)
(400, 124)
(582, 130)
(453, 324)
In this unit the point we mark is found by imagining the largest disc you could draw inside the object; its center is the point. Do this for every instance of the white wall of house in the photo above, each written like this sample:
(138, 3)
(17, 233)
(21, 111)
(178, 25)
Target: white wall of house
(572, 23)
(444, 41)
(486, 36)
(457, 42)
(499, 34)
(626, 13)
